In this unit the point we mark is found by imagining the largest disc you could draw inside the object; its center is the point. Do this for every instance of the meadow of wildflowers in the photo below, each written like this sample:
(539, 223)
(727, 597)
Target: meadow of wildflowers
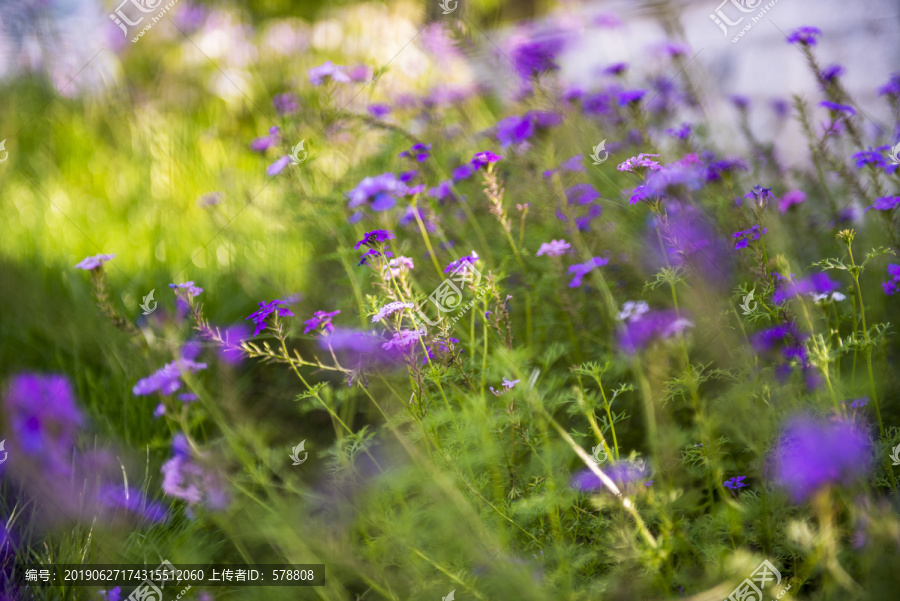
(455, 327)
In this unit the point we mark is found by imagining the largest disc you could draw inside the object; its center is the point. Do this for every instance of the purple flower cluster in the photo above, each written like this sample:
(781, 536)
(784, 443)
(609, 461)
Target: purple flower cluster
(444, 346)
(404, 340)
(265, 309)
(554, 248)
(812, 454)
(579, 270)
(785, 344)
(735, 483)
(639, 163)
(186, 479)
(805, 36)
(418, 152)
(168, 378)
(379, 193)
(537, 55)
(328, 71)
(286, 104)
(892, 285)
(390, 309)
(519, 129)
(320, 319)
(627, 475)
(266, 142)
(642, 328)
(885, 203)
(191, 289)
(745, 237)
(790, 199)
(582, 194)
(464, 263)
(91, 263)
(834, 107)
(815, 284)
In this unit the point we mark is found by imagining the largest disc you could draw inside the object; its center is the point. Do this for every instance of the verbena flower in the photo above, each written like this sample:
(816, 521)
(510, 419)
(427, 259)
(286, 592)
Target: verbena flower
(781, 107)
(735, 483)
(885, 203)
(390, 309)
(443, 345)
(817, 283)
(748, 235)
(327, 71)
(631, 96)
(538, 54)
(627, 476)
(462, 172)
(320, 319)
(484, 158)
(133, 500)
(633, 309)
(554, 248)
(832, 72)
(168, 378)
(184, 478)
(892, 286)
(91, 263)
(582, 194)
(615, 69)
(683, 132)
(859, 403)
(715, 170)
(812, 454)
(805, 36)
(507, 385)
(264, 143)
(230, 351)
(760, 196)
(379, 110)
(379, 192)
(373, 254)
(279, 165)
(868, 157)
(189, 287)
(374, 238)
(579, 270)
(418, 152)
(643, 328)
(286, 104)
(403, 340)
(462, 264)
(443, 191)
(834, 107)
(640, 162)
(892, 87)
(397, 267)
(265, 309)
(790, 199)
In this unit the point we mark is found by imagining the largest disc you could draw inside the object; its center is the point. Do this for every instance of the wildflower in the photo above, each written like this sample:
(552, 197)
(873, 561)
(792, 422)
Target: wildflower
(397, 267)
(892, 87)
(379, 192)
(536, 56)
(443, 191)
(374, 238)
(279, 165)
(230, 352)
(265, 309)
(320, 319)
(167, 379)
(582, 194)
(184, 478)
(892, 286)
(741, 102)
(113, 594)
(804, 35)
(462, 172)
(507, 385)
(580, 270)
(625, 474)
(639, 162)
(554, 248)
(286, 104)
(746, 236)
(159, 411)
(373, 254)
(378, 110)
(815, 284)
(360, 73)
(791, 198)
(419, 152)
(192, 290)
(760, 195)
(859, 403)
(812, 454)
(91, 263)
(444, 346)
(327, 70)
(716, 169)
(464, 263)
(514, 130)
(390, 309)
(682, 133)
(403, 340)
(633, 309)
(643, 328)
(264, 143)
(133, 501)
(885, 203)
(735, 483)
(631, 96)
(781, 108)
(483, 158)
(834, 107)
(832, 72)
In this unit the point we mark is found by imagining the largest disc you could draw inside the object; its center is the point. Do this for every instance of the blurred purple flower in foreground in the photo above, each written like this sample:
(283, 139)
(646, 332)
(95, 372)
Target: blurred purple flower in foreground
(790, 199)
(554, 248)
(642, 328)
(805, 36)
(627, 475)
(380, 192)
(167, 379)
(286, 104)
(91, 263)
(184, 478)
(885, 203)
(815, 284)
(892, 286)
(812, 454)
(327, 70)
(579, 270)
(264, 143)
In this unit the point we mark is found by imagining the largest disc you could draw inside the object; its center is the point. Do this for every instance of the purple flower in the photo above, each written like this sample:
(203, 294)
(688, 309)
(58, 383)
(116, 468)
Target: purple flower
(379, 192)
(804, 35)
(781, 108)
(892, 286)
(91, 263)
(834, 107)
(390, 309)
(166, 379)
(582, 194)
(264, 143)
(682, 133)
(230, 352)
(462, 172)
(320, 319)
(817, 283)
(327, 70)
(159, 411)
(484, 158)
(640, 162)
(184, 478)
(791, 198)
(832, 72)
(132, 500)
(892, 87)
(625, 474)
(716, 169)
(465, 263)
(579, 270)
(191, 289)
(286, 104)
(507, 384)
(115, 593)
(514, 130)
(631, 96)
(554, 248)
(869, 157)
(265, 309)
(761, 196)
(419, 152)
(746, 236)
(735, 483)
(379, 110)
(643, 328)
(397, 267)
(859, 403)
(885, 203)
(442, 191)
(537, 56)
(374, 238)
(403, 340)
(812, 454)
(444, 347)
(741, 102)
(615, 69)
(278, 166)
(360, 73)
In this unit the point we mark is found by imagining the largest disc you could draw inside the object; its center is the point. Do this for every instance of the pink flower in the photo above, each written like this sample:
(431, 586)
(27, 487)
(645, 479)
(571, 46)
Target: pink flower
(554, 248)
